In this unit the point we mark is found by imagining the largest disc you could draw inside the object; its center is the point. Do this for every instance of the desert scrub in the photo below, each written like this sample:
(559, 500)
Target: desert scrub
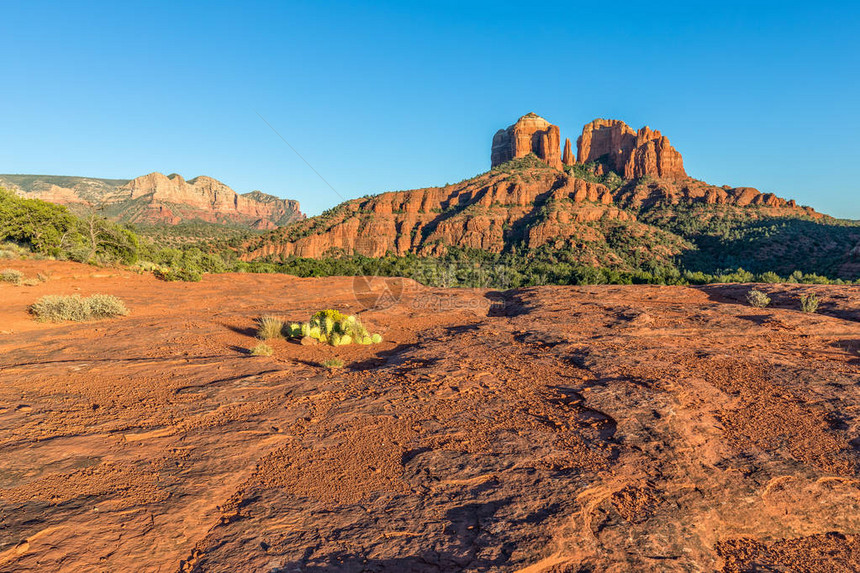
(11, 276)
(335, 328)
(757, 298)
(262, 349)
(57, 308)
(809, 302)
(12, 251)
(269, 327)
(182, 274)
(333, 363)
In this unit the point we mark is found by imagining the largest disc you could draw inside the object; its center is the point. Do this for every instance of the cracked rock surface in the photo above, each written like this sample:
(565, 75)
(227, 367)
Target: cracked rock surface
(550, 429)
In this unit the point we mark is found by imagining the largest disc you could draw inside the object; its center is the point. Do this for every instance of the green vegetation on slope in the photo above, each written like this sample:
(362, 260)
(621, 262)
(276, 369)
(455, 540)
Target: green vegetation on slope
(725, 237)
(53, 231)
(481, 269)
(710, 244)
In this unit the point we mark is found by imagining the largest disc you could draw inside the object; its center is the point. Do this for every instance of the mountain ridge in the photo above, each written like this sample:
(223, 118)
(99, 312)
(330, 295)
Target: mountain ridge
(536, 197)
(158, 199)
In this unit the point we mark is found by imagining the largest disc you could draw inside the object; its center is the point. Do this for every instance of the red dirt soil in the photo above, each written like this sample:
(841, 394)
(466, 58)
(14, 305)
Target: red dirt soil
(551, 429)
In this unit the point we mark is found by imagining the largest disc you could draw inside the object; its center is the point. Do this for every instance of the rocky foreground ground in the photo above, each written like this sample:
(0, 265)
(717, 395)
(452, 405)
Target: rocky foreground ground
(593, 428)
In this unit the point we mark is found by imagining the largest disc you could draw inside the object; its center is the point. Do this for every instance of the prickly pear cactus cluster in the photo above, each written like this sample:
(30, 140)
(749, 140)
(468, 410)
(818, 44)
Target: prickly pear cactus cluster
(333, 327)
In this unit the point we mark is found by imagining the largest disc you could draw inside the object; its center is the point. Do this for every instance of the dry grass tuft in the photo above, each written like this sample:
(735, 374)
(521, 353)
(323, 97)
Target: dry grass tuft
(262, 349)
(270, 327)
(58, 308)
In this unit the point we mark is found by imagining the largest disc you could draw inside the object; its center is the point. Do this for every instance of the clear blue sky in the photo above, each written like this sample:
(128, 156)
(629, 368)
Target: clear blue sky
(398, 95)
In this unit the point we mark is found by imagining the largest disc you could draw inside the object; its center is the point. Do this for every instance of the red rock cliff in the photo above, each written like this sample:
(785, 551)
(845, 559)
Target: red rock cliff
(629, 153)
(530, 134)
(173, 199)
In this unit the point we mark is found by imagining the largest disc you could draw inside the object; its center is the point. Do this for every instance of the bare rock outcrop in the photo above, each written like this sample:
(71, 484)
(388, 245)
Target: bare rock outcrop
(530, 134)
(567, 157)
(564, 428)
(479, 213)
(617, 147)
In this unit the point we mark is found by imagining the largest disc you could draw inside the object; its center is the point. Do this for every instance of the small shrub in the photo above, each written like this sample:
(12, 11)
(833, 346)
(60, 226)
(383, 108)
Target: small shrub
(809, 302)
(333, 363)
(57, 308)
(105, 306)
(269, 327)
(11, 276)
(757, 298)
(170, 275)
(13, 251)
(262, 349)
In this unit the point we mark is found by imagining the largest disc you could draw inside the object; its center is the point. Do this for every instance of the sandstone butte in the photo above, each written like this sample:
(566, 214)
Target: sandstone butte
(160, 199)
(548, 205)
(530, 134)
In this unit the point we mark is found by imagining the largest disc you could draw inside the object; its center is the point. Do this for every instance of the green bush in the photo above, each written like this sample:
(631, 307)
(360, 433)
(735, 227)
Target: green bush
(757, 298)
(809, 302)
(527, 162)
(11, 276)
(181, 274)
(333, 363)
(57, 308)
(770, 277)
(52, 230)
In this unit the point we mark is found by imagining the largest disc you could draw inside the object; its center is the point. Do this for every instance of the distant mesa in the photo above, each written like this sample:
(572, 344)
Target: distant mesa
(158, 199)
(609, 143)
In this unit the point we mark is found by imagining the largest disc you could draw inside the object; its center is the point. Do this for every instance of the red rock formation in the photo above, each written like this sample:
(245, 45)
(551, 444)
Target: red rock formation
(479, 213)
(530, 134)
(654, 156)
(689, 190)
(473, 214)
(567, 157)
(607, 140)
(630, 154)
(159, 199)
(211, 198)
(172, 200)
